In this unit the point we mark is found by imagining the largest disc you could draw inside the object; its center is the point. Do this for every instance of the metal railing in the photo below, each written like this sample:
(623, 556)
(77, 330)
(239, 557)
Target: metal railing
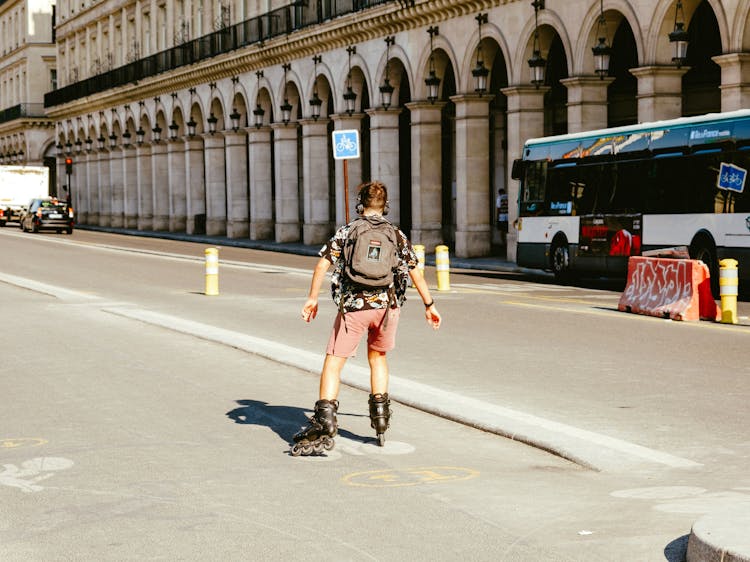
(22, 110)
(281, 21)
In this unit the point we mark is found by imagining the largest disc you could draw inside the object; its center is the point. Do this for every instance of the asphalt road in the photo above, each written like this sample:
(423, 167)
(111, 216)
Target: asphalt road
(125, 440)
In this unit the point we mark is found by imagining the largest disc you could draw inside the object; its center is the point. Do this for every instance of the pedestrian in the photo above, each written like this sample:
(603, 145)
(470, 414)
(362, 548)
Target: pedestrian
(501, 209)
(363, 308)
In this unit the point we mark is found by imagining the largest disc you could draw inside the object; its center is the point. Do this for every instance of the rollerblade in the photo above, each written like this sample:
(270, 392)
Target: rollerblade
(318, 437)
(380, 415)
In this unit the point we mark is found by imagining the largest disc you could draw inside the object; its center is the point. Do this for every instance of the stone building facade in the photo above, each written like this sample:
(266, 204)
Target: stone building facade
(216, 117)
(27, 70)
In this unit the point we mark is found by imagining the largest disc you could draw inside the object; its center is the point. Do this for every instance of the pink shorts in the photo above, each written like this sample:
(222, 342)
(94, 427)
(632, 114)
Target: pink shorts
(348, 330)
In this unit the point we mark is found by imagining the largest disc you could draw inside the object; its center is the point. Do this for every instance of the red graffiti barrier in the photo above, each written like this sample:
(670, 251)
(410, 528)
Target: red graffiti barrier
(669, 288)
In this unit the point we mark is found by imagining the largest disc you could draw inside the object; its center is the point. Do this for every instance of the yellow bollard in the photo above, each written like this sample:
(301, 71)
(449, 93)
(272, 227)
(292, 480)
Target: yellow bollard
(419, 250)
(442, 265)
(728, 289)
(212, 272)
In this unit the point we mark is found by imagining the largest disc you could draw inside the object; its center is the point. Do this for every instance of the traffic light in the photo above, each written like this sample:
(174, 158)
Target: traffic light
(68, 166)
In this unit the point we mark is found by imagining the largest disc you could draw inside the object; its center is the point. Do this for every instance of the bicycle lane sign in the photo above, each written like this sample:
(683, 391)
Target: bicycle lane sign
(345, 144)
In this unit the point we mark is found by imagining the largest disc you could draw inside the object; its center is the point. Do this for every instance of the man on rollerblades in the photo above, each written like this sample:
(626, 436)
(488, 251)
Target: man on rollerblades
(373, 261)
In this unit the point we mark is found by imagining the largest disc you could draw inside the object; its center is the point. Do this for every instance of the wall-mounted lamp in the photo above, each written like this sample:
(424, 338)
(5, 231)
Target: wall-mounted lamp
(350, 97)
(140, 136)
(432, 81)
(235, 117)
(191, 124)
(602, 51)
(537, 63)
(59, 148)
(212, 120)
(113, 140)
(157, 133)
(480, 72)
(126, 138)
(386, 90)
(315, 101)
(679, 36)
(258, 112)
(79, 146)
(286, 107)
(68, 148)
(173, 128)
(100, 142)
(89, 144)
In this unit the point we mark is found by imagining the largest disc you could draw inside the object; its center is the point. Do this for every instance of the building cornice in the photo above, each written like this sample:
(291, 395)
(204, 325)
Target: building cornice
(355, 28)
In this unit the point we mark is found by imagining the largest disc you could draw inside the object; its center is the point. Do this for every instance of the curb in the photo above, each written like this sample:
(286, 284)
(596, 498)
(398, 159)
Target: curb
(721, 537)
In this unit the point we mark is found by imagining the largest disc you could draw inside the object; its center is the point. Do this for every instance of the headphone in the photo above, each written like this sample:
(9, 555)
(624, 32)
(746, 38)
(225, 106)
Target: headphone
(360, 208)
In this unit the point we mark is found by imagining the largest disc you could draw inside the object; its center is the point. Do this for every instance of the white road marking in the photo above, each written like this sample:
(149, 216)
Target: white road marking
(30, 473)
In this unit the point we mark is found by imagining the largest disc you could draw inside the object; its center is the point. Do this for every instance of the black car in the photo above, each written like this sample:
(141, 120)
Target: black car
(48, 214)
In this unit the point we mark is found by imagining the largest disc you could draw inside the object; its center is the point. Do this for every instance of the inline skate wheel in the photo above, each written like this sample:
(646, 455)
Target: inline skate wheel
(307, 448)
(329, 444)
(296, 450)
(381, 439)
(318, 448)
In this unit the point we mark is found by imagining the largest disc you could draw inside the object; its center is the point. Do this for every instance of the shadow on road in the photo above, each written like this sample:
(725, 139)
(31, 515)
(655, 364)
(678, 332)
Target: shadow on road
(676, 551)
(285, 421)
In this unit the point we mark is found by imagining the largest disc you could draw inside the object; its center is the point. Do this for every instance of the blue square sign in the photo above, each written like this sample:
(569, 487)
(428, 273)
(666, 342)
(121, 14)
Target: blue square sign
(346, 144)
(731, 177)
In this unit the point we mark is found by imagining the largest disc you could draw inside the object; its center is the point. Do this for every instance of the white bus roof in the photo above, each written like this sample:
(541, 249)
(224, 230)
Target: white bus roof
(641, 127)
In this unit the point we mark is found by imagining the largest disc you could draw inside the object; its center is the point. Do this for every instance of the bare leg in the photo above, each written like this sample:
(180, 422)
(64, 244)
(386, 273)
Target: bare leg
(378, 371)
(330, 377)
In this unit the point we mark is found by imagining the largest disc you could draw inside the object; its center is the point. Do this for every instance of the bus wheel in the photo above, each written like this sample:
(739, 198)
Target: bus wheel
(704, 250)
(560, 260)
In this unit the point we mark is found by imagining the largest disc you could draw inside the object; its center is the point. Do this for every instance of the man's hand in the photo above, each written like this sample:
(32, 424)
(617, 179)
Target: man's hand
(310, 310)
(433, 317)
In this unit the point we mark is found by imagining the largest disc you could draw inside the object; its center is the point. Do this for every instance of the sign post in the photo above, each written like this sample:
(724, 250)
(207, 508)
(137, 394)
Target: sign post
(345, 147)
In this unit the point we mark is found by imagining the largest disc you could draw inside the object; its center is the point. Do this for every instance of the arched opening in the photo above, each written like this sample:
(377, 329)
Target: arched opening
(556, 98)
(448, 150)
(404, 145)
(498, 144)
(700, 85)
(622, 108)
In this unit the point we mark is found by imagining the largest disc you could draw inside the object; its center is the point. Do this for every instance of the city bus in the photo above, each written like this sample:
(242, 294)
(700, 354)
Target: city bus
(588, 201)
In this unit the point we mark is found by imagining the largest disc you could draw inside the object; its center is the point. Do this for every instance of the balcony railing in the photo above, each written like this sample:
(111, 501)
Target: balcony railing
(22, 110)
(281, 21)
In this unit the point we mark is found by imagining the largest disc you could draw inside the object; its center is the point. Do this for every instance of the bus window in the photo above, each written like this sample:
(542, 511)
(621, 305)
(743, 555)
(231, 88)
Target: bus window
(741, 158)
(629, 186)
(532, 192)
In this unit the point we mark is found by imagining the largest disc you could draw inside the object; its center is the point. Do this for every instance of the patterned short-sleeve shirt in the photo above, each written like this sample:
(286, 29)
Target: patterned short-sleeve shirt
(355, 297)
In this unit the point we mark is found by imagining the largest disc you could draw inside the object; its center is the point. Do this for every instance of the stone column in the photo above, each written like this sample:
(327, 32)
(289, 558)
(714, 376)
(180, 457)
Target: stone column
(316, 193)
(117, 219)
(344, 122)
(473, 204)
(145, 187)
(177, 186)
(261, 183)
(105, 189)
(426, 173)
(385, 155)
(587, 102)
(196, 185)
(659, 92)
(525, 121)
(735, 80)
(287, 182)
(87, 214)
(238, 210)
(160, 186)
(130, 186)
(216, 184)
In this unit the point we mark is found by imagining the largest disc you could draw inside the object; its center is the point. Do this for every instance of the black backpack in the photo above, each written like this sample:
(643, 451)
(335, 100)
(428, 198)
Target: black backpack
(371, 252)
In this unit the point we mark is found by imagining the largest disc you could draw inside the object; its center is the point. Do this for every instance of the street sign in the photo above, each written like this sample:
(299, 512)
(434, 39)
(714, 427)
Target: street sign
(731, 178)
(345, 144)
